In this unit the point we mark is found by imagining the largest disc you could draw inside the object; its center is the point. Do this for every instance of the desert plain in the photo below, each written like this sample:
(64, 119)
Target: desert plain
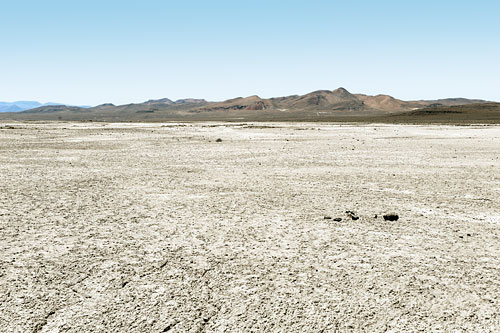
(117, 227)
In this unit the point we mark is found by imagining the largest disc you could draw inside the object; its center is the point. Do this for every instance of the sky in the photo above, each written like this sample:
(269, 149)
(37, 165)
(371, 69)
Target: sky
(92, 52)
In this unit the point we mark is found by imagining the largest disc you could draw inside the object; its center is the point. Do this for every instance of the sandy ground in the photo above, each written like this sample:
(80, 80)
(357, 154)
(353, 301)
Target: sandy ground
(159, 228)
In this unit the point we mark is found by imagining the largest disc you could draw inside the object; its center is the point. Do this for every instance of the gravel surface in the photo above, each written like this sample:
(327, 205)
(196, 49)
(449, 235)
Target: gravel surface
(159, 228)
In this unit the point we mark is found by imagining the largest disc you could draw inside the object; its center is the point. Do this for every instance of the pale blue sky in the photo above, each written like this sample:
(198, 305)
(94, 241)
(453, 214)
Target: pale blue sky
(92, 52)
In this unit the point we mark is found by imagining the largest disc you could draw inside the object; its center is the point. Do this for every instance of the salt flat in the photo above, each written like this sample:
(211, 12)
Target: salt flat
(158, 227)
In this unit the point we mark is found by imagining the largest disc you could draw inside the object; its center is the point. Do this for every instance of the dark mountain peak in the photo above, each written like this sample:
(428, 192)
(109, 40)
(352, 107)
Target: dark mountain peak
(320, 92)
(190, 101)
(54, 108)
(159, 101)
(105, 105)
(284, 98)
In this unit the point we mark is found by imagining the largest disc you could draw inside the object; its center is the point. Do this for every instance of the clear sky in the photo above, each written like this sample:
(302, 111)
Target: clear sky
(92, 52)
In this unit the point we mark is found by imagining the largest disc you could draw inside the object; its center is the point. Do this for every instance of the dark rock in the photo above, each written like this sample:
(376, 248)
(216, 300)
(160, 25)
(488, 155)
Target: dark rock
(337, 219)
(352, 215)
(218, 140)
(391, 217)
(327, 217)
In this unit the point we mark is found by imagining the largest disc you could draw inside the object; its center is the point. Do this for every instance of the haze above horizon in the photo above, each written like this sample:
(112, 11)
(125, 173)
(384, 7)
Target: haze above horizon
(91, 52)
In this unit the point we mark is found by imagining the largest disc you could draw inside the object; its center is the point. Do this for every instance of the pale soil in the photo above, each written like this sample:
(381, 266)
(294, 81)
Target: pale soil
(151, 228)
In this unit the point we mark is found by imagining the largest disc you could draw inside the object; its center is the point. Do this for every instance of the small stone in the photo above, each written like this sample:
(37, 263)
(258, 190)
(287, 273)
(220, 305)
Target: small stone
(352, 215)
(337, 219)
(391, 217)
(218, 140)
(327, 217)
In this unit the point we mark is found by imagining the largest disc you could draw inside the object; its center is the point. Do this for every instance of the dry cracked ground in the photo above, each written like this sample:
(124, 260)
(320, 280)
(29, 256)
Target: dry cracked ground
(159, 228)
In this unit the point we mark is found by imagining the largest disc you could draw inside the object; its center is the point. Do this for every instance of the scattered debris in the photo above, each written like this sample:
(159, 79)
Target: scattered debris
(391, 217)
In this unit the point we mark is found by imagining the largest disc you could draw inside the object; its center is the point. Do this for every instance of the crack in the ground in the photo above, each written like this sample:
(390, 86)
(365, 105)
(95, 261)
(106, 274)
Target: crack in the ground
(44, 321)
(79, 281)
(206, 320)
(206, 271)
(169, 327)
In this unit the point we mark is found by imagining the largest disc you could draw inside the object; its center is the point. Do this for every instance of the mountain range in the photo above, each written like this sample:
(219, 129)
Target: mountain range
(20, 106)
(24, 105)
(317, 105)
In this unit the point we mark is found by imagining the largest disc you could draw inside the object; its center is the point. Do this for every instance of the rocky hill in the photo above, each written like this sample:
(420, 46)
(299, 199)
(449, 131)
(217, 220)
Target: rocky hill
(317, 105)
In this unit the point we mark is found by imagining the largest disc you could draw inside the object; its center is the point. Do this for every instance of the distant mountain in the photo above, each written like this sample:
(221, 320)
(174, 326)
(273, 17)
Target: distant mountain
(190, 101)
(387, 103)
(25, 105)
(159, 101)
(56, 108)
(239, 103)
(179, 101)
(9, 107)
(452, 101)
(338, 99)
(19, 106)
(317, 105)
(469, 113)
